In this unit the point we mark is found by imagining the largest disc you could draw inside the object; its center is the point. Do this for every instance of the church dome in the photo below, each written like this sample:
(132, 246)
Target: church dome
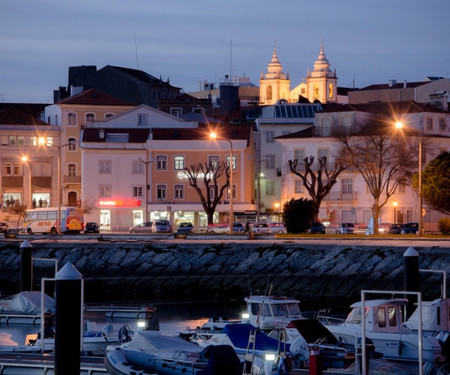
(275, 69)
(322, 66)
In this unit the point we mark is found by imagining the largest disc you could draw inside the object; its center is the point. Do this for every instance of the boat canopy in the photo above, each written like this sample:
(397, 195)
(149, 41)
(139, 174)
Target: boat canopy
(27, 302)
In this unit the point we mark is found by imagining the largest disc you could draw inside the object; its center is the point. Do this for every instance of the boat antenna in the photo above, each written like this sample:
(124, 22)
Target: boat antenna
(262, 306)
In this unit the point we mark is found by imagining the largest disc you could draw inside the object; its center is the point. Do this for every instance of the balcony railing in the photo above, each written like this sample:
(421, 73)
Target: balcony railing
(336, 196)
(72, 179)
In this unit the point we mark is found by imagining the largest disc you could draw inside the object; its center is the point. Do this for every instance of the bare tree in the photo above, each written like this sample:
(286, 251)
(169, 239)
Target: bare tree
(318, 179)
(204, 178)
(382, 156)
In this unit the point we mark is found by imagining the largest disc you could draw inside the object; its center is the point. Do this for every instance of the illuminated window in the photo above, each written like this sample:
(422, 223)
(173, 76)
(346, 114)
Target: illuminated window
(179, 192)
(105, 166)
(161, 191)
(316, 91)
(234, 192)
(71, 119)
(213, 161)
(234, 162)
(161, 163)
(178, 162)
(7, 169)
(138, 191)
(381, 314)
(330, 90)
(105, 191)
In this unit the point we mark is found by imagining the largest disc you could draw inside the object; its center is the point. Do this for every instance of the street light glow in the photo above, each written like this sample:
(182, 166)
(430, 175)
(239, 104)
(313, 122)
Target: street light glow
(399, 124)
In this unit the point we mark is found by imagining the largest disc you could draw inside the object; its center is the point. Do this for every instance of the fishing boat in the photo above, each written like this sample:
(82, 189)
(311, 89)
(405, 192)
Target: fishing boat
(384, 326)
(153, 352)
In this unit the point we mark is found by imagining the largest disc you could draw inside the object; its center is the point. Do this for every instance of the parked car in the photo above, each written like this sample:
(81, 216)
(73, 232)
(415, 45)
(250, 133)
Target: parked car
(91, 227)
(3, 227)
(238, 227)
(277, 228)
(390, 228)
(361, 229)
(218, 228)
(410, 228)
(261, 228)
(185, 228)
(145, 227)
(346, 228)
(161, 226)
(317, 228)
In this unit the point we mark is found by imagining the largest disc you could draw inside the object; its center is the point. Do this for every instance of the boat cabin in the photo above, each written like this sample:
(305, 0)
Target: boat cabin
(271, 311)
(382, 315)
(435, 316)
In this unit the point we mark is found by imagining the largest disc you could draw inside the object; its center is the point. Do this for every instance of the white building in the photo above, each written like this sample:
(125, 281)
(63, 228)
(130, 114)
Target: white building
(349, 200)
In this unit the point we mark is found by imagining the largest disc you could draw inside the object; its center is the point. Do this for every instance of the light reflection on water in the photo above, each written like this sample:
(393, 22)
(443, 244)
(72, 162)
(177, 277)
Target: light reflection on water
(173, 318)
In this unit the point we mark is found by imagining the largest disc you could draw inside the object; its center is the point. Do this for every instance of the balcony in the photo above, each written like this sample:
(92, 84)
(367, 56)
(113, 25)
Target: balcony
(339, 196)
(72, 179)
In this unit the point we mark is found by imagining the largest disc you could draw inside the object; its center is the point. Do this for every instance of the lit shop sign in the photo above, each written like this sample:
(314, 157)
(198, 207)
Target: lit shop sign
(183, 175)
(120, 203)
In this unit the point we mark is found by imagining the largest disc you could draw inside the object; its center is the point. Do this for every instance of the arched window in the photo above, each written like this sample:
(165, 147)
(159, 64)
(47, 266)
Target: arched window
(269, 92)
(72, 119)
(71, 169)
(330, 90)
(316, 91)
(90, 117)
(72, 144)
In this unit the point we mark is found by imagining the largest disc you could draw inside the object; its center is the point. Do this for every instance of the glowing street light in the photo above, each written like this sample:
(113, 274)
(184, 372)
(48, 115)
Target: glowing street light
(213, 135)
(399, 125)
(147, 184)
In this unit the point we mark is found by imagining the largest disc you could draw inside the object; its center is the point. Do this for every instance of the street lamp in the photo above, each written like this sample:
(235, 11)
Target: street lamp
(42, 142)
(258, 193)
(399, 125)
(215, 136)
(147, 183)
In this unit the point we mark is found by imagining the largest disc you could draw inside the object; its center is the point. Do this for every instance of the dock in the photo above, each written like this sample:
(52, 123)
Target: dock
(43, 364)
(122, 312)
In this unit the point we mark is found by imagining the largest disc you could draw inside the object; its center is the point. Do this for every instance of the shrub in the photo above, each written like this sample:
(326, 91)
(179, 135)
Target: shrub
(444, 225)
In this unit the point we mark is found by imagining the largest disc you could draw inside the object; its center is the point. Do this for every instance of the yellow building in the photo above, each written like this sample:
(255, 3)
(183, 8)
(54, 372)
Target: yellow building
(275, 84)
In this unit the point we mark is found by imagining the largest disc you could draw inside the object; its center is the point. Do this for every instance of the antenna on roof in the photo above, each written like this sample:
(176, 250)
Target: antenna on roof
(137, 58)
(231, 59)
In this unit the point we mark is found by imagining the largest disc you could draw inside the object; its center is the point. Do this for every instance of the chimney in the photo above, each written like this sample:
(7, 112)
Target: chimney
(392, 82)
(405, 84)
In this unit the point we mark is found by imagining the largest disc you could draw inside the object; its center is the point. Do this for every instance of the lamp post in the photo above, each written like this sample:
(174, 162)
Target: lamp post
(258, 193)
(42, 141)
(399, 125)
(147, 184)
(214, 136)
(25, 160)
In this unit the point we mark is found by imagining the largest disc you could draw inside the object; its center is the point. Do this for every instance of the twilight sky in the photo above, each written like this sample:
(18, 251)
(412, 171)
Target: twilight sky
(189, 41)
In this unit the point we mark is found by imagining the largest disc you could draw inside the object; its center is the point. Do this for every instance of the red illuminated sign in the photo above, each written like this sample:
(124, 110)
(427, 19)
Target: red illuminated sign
(119, 203)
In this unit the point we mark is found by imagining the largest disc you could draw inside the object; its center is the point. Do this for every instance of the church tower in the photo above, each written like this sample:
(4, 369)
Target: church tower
(322, 82)
(274, 85)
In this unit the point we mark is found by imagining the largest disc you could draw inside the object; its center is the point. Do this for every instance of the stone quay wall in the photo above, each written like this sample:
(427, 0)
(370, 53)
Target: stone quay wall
(318, 275)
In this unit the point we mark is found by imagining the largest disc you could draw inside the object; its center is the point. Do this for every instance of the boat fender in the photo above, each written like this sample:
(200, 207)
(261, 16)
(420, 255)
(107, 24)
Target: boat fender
(400, 348)
(124, 334)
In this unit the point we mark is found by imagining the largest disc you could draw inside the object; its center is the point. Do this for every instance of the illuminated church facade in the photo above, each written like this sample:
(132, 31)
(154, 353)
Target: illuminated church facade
(320, 85)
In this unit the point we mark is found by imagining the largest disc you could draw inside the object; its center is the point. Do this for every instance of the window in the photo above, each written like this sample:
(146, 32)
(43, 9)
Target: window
(12, 140)
(429, 123)
(72, 144)
(71, 169)
(269, 136)
(381, 315)
(21, 141)
(177, 112)
(330, 90)
(270, 161)
(234, 162)
(270, 187)
(72, 119)
(178, 162)
(105, 191)
(442, 125)
(179, 192)
(199, 110)
(161, 192)
(402, 188)
(108, 115)
(392, 315)
(104, 166)
(137, 167)
(347, 185)
(212, 192)
(7, 169)
(161, 163)
(298, 186)
(213, 162)
(316, 91)
(138, 191)
(142, 119)
(299, 155)
(322, 152)
(90, 117)
(269, 92)
(234, 192)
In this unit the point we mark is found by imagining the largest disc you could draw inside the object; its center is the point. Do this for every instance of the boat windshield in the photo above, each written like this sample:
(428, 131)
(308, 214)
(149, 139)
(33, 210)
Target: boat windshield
(355, 315)
(255, 307)
(285, 309)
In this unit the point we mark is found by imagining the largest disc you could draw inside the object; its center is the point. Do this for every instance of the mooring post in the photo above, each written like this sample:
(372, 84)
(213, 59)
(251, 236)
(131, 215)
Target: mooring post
(411, 269)
(68, 317)
(26, 267)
